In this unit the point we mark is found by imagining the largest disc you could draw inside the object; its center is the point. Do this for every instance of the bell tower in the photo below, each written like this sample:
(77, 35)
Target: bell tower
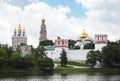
(43, 32)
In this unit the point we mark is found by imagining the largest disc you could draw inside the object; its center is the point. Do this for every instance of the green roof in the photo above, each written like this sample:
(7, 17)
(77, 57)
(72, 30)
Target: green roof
(23, 44)
(49, 48)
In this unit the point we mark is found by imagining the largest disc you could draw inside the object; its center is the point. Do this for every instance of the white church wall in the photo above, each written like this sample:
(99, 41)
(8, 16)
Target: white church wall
(99, 46)
(72, 55)
(54, 55)
(77, 55)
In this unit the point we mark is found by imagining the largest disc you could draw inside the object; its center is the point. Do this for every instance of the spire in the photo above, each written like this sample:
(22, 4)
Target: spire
(15, 31)
(19, 29)
(43, 32)
(19, 26)
(43, 20)
(23, 31)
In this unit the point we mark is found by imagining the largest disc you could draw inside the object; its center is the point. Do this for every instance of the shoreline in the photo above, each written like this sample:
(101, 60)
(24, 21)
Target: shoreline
(59, 70)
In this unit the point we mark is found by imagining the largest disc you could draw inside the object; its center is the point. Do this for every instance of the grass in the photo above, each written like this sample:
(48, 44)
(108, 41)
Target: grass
(77, 64)
(70, 70)
(74, 63)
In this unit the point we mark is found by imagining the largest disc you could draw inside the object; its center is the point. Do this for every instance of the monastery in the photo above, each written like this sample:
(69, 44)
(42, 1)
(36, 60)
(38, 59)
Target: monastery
(19, 38)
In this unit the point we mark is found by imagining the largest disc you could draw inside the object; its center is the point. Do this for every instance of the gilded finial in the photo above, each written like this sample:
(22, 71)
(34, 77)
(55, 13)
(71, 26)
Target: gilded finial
(24, 30)
(43, 19)
(19, 26)
(15, 29)
(84, 34)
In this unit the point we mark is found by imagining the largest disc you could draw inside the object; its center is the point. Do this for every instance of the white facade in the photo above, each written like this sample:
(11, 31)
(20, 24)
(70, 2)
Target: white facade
(72, 55)
(76, 55)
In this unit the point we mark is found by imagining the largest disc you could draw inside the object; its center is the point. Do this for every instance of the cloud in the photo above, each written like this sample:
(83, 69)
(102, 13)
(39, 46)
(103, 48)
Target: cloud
(57, 21)
(102, 16)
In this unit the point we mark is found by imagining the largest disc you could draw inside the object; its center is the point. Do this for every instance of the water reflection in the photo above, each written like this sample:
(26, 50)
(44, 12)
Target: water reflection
(74, 77)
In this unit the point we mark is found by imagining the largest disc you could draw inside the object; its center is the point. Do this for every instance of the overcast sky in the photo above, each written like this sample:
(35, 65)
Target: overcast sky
(64, 18)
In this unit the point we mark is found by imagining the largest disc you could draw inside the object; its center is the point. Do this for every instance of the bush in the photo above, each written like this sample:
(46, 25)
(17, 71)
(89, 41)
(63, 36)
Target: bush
(15, 60)
(28, 61)
(3, 57)
(45, 65)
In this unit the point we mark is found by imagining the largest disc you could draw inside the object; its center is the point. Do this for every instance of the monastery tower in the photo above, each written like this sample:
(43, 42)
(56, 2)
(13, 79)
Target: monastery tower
(43, 32)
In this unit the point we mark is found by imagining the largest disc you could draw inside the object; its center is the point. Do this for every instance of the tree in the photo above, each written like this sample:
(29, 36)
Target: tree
(89, 46)
(7, 49)
(77, 47)
(41, 52)
(28, 61)
(71, 43)
(15, 60)
(111, 54)
(63, 58)
(3, 57)
(46, 43)
(45, 65)
(93, 57)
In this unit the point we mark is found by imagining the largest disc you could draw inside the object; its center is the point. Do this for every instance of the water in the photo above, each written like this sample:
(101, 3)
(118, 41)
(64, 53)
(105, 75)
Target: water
(74, 77)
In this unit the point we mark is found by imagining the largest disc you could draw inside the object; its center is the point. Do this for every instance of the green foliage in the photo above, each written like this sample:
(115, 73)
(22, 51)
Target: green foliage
(58, 37)
(28, 61)
(7, 49)
(3, 57)
(45, 65)
(40, 52)
(63, 58)
(77, 47)
(89, 46)
(46, 43)
(93, 57)
(71, 43)
(111, 54)
(15, 60)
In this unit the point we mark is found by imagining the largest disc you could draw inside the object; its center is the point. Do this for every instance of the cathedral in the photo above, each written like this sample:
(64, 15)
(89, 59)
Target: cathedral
(19, 41)
(83, 39)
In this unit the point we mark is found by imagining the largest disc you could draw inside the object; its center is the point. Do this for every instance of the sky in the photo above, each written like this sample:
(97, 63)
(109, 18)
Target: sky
(64, 18)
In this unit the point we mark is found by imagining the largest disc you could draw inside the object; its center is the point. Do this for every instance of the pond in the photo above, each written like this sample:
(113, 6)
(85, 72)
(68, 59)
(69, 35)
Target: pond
(56, 77)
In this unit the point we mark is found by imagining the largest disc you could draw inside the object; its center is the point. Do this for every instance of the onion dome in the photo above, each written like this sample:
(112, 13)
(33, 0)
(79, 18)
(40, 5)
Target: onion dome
(43, 19)
(15, 30)
(84, 35)
(19, 26)
(24, 30)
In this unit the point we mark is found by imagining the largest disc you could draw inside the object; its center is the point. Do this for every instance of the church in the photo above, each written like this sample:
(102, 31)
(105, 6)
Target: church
(19, 41)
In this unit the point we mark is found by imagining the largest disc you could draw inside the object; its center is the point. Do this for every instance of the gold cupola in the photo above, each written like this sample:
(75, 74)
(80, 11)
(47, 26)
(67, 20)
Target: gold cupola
(43, 19)
(19, 27)
(24, 30)
(15, 29)
(83, 35)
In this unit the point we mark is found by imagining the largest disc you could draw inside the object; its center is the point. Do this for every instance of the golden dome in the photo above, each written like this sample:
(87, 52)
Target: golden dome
(43, 19)
(24, 30)
(84, 34)
(15, 30)
(19, 26)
